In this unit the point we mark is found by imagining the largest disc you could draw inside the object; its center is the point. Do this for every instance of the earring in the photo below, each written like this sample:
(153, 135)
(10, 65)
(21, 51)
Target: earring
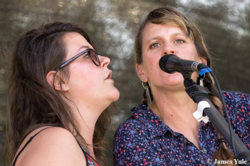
(149, 101)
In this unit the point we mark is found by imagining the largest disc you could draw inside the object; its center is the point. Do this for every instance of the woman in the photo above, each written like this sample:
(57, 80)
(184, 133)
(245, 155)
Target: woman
(165, 132)
(59, 92)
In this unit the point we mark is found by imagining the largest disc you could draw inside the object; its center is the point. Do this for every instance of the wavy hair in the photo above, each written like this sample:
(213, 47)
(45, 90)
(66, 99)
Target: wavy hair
(170, 16)
(32, 102)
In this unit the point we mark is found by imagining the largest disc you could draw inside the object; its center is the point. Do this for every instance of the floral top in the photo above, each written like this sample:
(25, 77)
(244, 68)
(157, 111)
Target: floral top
(144, 139)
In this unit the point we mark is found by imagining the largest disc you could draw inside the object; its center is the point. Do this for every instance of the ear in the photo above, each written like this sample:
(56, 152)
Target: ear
(203, 60)
(141, 73)
(56, 81)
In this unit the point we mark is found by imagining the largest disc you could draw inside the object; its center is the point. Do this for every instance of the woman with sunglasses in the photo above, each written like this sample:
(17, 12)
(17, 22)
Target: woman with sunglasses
(162, 130)
(60, 99)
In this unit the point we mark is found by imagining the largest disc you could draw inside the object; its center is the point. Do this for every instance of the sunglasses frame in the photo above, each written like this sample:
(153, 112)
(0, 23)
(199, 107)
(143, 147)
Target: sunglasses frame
(93, 55)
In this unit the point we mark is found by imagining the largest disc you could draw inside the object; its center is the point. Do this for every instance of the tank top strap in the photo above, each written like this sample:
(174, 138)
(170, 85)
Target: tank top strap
(26, 145)
(89, 159)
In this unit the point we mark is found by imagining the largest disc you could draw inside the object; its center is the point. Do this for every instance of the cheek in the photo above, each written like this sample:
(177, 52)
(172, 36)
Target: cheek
(81, 76)
(194, 54)
(151, 63)
(152, 57)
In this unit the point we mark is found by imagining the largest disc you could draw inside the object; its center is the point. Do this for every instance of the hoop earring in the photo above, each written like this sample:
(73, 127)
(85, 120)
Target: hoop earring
(149, 101)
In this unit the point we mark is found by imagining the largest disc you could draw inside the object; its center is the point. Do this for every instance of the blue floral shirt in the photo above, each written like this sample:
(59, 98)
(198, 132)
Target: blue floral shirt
(144, 139)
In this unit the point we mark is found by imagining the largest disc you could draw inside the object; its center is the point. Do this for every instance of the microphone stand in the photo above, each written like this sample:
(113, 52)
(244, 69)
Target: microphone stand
(198, 94)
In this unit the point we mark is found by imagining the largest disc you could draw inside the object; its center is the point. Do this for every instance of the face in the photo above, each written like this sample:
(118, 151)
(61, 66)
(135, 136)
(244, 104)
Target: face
(157, 41)
(88, 84)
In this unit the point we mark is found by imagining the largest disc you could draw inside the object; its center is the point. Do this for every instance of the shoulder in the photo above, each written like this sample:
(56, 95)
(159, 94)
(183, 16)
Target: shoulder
(52, 146)
(132, 143)
(237, 102)
(129, 135)
(138, 126)
(232, 97)
(238, 106)
(129, 128)
(136, 122)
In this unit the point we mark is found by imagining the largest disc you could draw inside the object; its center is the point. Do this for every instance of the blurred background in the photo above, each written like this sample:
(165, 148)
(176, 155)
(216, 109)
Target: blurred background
(112, 24)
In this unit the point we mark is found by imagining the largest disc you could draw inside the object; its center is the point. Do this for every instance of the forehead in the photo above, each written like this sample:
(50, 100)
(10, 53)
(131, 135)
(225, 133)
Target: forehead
(74, 38)
(152, 30)
(74, 43)
(151, 27)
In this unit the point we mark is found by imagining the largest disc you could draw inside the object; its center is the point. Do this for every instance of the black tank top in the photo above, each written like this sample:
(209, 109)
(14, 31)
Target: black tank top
(89, 159)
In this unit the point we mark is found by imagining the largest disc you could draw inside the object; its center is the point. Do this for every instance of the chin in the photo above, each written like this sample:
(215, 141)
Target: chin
(115, 95)
(174, 80)
(174, 76)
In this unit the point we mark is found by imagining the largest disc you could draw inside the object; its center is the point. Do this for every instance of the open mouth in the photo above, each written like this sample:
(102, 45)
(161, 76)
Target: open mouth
(109, 76)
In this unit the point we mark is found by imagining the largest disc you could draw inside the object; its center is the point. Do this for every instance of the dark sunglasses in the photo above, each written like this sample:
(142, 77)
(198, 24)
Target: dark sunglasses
(88, 52)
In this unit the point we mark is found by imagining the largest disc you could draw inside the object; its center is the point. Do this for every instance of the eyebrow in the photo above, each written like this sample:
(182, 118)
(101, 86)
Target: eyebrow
(157, 37)
(84, 46)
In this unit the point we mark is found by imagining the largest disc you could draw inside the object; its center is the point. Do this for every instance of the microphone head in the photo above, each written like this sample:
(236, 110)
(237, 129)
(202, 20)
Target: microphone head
(167, 65)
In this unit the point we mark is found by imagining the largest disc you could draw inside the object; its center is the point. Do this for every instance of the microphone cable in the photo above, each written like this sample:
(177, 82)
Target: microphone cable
(203, 71)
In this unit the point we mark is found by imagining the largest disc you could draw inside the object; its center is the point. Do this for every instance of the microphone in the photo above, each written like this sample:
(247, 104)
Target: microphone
(171, 63)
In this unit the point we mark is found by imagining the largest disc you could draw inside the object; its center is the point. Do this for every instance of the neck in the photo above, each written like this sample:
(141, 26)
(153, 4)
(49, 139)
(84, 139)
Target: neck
(175, 109)
(86, 119)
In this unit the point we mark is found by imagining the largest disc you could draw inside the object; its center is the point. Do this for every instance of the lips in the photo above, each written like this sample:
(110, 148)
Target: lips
(109, 75)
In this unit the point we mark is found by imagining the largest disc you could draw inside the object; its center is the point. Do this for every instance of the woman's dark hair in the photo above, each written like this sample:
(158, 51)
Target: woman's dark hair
(32, 102)
(170, 16)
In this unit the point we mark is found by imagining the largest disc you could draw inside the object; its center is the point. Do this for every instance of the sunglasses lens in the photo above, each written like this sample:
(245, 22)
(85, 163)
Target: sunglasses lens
(94, 57)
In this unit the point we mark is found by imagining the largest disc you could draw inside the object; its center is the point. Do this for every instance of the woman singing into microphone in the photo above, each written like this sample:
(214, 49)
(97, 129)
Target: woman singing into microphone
(162, 130)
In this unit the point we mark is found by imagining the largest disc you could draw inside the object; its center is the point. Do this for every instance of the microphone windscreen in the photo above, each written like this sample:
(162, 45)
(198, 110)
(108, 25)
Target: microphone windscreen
(167, 65)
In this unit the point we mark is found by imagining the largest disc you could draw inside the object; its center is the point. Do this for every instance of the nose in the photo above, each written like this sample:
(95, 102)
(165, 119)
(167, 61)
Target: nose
(105, 61)
(169, 50)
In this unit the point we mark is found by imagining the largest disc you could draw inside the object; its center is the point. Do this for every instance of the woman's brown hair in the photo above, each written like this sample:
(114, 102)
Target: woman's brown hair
(170, 16)
(32, 102)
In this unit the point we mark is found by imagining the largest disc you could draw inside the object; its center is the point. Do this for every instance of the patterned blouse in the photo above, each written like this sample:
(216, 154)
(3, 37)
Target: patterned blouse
(144, 139)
